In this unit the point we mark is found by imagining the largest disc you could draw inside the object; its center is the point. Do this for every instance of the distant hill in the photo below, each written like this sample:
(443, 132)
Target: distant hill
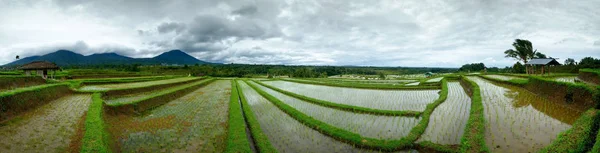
(70, 58)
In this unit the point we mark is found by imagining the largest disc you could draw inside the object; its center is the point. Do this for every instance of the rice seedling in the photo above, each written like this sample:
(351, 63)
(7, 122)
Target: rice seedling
(415, 100)
(519, 121)
(367, 125)
(447, 122)
(287, 134)
(196, 122)
(502, 77)
(105, 87)
(49, 128)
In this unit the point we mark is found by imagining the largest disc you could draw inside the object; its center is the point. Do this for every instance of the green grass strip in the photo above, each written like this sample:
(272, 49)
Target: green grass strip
(29, 89)
(428, 145)
(350, 108)
(163, 93)
(95, 138)
(260, 139)
(596, 147)
(516, 82)
(361, 86)
(579, 138)
(237, 140)
(353, 138)
(473, 139)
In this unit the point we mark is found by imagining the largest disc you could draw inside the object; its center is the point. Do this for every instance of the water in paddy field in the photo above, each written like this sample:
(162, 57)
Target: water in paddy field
(416, 100)
(502, 77)
(570, 79)
(448, 121)
(520, 121)
(287, 134)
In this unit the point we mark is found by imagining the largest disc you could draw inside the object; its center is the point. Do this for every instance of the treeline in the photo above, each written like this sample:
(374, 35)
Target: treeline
(247, 70)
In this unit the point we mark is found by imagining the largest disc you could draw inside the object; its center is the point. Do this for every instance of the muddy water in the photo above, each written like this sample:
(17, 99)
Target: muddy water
(196, 122)
(371, 126)
(49, 128)
(520, 121)
(415, 100)
(288, 135)
(449, 119)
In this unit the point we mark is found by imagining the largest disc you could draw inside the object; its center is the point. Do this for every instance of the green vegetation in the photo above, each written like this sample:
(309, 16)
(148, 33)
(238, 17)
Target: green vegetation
(96, 138)
(126, 88)
(14, 82)
(156, 99)
(237, 140)
(474, 137)
(14, 102)
(350, 108)
(580, 137)
(361, 86)
(260, 139)
(353, 138)
(428, 145)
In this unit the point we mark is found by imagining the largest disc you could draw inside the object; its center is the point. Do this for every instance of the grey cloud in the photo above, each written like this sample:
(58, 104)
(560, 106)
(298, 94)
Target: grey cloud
(170, 27)
(246, 10)
(597, 43)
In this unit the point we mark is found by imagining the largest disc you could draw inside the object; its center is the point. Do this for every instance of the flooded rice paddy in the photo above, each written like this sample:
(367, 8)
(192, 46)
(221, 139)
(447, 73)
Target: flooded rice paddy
(415, 100)
(448, 120)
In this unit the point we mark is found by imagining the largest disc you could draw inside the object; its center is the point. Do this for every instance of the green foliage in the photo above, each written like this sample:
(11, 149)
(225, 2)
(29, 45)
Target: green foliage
(589, 62)
(260, 139)
(350, 108)
(96, 138)
(523, 51)
(237, 140)
(473, 139)
(579, 138)
(518, 68)
(360, 85)
(474, 67)
(569, 61)
(353, 138)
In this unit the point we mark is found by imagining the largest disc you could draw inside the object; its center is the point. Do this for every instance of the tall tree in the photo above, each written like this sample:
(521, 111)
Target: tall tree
(523, 51)
(569, 61)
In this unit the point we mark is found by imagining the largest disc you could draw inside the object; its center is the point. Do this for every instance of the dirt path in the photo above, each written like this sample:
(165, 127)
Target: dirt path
(196, 122)
(49, 128)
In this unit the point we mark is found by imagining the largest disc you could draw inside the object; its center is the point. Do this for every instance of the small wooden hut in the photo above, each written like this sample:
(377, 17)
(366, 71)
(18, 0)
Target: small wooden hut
(545, 64)
(39, 68)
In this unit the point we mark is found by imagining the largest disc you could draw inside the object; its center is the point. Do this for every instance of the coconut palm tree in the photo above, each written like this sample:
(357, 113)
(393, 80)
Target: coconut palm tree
(523, 51)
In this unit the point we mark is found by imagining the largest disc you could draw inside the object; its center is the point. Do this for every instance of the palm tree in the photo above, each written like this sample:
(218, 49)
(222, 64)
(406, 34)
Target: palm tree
(523, 51)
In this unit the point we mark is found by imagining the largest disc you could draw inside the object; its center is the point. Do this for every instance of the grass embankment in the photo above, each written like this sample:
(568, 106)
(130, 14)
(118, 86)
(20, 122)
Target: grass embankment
(14, 102)
(14, 82)
(122, 80)
(517, 82)
(96, 138)
(355, 109)
(590, 75)
(580, 94)
(260, 139)
(237, 140)
(356, 139)
(473, 139)
(580, 137)
(156, 99)
(428, 146)
(361, 86)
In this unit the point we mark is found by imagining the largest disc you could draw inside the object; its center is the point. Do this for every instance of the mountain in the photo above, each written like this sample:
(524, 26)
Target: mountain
(70, 58)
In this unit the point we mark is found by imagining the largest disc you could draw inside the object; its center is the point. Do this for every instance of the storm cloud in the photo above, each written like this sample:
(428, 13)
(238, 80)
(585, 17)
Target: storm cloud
(354, 32)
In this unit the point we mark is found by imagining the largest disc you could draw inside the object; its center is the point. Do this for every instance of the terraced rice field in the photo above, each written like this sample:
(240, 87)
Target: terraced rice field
(519, 121)
(415, 100)
(137, 96)
(503, 77)
(448, 120)
(435, 79)
(570, 79)
(413, 84)
(287, 134)
(372, 126)
(134, 85)
(54, 127)
(196, 122)
(366, 81)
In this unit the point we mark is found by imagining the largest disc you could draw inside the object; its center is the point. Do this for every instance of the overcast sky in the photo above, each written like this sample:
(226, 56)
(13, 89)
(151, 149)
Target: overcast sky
(431, 33)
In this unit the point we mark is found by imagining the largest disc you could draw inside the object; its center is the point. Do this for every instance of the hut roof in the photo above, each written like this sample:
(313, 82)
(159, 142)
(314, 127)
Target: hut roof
(39, 65)
(543, 61)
